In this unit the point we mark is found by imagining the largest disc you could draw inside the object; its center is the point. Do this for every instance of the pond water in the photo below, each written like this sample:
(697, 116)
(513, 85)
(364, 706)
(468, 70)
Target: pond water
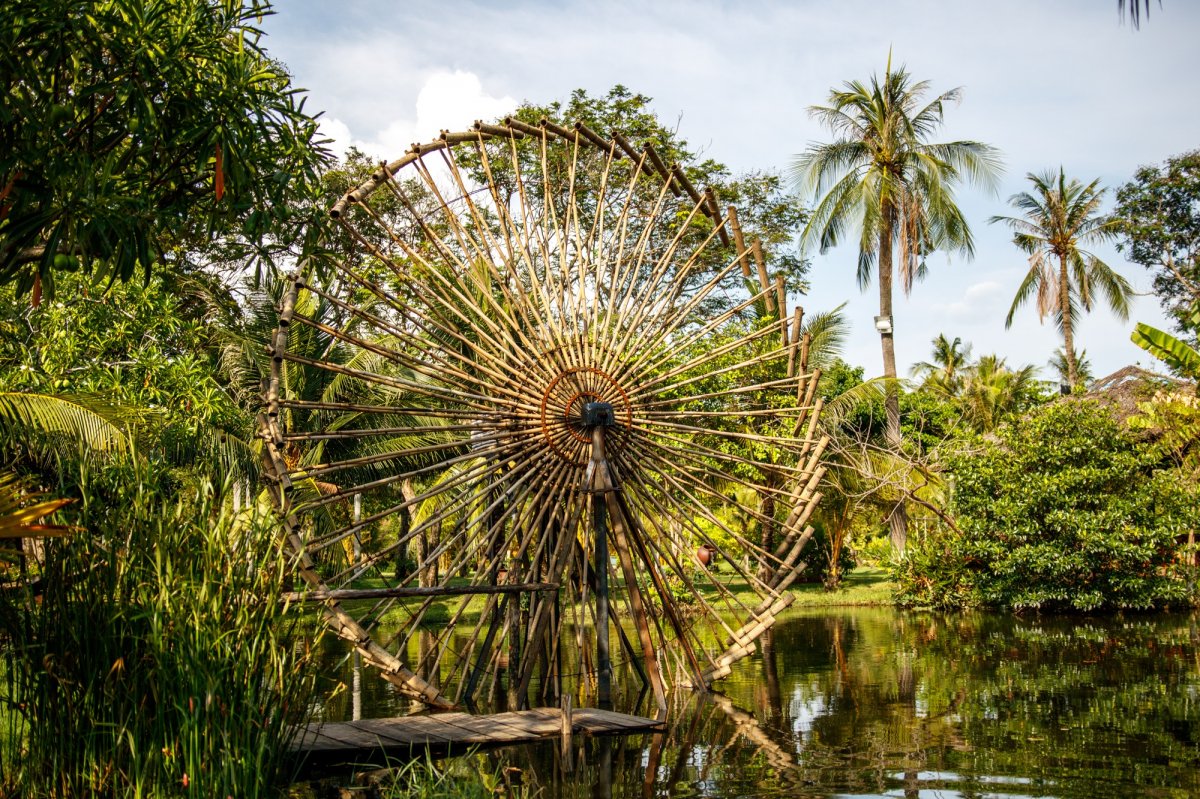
(867, 702)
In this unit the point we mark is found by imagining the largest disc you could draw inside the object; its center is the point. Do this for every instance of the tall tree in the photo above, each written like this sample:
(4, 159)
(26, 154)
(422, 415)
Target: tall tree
(1060, 217)
(1159, 214)
(884, 177)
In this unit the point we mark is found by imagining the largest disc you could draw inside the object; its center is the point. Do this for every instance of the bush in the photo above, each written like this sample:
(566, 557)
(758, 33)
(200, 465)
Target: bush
(1061, 510)
(157, 660)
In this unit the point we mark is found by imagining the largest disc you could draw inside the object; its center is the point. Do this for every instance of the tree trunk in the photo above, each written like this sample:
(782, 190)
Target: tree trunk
(1064, 304)
(898, 520)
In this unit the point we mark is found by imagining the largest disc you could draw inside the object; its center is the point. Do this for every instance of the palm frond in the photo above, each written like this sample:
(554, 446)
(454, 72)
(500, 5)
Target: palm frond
(22, 513)
(94, 422)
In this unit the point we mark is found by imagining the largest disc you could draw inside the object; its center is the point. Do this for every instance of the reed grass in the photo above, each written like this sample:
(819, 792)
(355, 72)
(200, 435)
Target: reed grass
(155, 663)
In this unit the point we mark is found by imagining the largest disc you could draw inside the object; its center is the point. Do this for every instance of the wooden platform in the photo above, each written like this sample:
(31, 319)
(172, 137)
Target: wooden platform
(446, 731)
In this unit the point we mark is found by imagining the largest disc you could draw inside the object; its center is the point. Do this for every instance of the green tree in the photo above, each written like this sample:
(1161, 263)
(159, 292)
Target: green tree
(992, 392)
(136, 132)
(1158, 213)
(1059, 363)
(944, 374)
(884, 177)
(1064, 509)
(91, 367)
(1059, 218)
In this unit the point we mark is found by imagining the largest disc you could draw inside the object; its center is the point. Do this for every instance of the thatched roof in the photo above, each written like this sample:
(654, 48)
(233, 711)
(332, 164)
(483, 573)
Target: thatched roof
(1125, 388)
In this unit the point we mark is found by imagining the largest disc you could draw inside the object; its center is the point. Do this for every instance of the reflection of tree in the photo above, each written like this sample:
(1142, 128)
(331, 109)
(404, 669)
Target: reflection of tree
(874, 702)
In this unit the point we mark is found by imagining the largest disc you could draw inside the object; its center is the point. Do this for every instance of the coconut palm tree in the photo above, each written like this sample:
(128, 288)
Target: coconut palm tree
(883, 177)
(992, 391)
(1058, 364)
(944, 374)
(1060, 217)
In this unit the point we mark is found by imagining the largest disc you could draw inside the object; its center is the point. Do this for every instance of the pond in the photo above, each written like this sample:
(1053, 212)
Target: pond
(867, 702)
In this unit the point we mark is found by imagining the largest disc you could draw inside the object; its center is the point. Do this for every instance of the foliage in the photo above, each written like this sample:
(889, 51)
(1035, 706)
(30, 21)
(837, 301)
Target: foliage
(992, 392)
(91, 370)
(1158, 213)
(1062, 509)
(469, 777)
(1181, 357)
(136, 130)
(1136, 10)
(1059, 218)
(23, 514)
(943, 375)
(1170, 424)
(156, 660)
(46, 429)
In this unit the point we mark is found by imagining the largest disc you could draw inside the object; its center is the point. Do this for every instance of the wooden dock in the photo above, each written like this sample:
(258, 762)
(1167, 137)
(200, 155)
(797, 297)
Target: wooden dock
(454, 731)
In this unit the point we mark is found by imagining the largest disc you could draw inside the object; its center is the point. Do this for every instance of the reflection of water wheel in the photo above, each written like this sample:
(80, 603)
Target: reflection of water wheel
(540, 335)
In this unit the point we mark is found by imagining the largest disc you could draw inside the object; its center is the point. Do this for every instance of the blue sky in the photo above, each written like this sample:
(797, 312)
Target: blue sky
(1048, 83)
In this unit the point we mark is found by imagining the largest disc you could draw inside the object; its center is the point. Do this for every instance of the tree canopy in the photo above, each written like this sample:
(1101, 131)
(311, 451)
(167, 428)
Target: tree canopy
(1158, 217)
(135, 131)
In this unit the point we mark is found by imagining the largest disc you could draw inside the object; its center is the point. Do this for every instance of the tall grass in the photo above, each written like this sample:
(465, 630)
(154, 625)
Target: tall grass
(155, 662)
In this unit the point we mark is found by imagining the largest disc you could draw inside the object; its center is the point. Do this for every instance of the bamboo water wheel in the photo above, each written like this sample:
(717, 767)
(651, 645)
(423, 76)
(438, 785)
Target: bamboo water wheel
(548, 357)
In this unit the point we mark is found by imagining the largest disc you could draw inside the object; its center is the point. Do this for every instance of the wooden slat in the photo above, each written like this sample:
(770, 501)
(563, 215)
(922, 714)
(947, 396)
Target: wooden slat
(361, 738)
(482, 729)
(596, 720)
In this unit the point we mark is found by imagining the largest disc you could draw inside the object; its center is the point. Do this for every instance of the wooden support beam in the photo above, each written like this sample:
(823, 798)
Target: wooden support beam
(661, 168)
(739, 241)
(764, 281)
(412, 591)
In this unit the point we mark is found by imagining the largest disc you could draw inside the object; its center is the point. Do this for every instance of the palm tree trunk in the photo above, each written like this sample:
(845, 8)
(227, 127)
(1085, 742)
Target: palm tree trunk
(898, 521)
(1064, 304)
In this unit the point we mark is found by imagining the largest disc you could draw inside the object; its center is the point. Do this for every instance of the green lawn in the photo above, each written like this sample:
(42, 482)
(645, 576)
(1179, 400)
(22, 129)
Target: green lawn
(865, 585)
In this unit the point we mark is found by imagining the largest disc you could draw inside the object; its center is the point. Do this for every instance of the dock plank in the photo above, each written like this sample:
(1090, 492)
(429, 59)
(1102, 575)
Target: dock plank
(357, 739)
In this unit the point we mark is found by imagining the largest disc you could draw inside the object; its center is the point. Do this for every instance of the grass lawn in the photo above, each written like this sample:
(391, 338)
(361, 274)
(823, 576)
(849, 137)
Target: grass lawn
(865, 585)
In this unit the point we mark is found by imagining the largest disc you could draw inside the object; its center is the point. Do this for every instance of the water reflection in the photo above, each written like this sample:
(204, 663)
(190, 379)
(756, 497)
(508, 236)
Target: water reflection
(870, 702)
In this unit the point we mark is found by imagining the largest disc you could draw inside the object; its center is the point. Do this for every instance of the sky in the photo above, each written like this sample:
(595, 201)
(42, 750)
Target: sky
(1063, 83)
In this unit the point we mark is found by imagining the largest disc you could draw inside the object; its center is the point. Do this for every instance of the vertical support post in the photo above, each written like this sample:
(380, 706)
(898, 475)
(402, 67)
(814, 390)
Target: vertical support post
(356, 688)
(566, 745)
(600, 525)
(356, 539)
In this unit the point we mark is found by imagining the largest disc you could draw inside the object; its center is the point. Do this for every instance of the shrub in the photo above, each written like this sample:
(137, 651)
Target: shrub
(1062, 510)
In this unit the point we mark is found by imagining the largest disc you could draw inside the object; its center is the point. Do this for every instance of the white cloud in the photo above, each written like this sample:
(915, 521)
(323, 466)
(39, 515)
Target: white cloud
(973, 300)
(446, 101)
(338, 132)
